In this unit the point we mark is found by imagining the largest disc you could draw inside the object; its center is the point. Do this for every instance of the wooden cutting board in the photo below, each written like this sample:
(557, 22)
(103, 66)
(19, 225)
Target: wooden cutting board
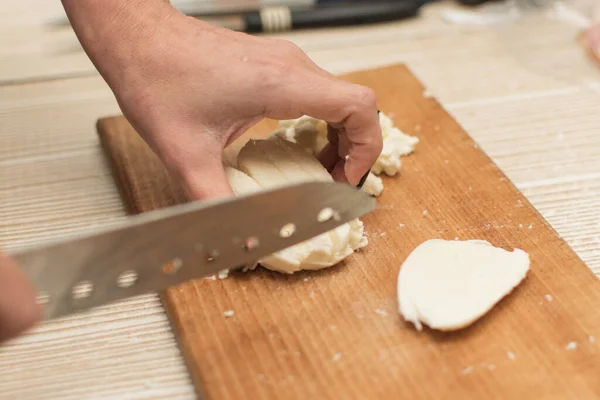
(336, 333)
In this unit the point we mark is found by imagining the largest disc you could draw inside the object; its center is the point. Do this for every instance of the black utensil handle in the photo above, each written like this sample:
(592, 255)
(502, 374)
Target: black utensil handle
(335, 14)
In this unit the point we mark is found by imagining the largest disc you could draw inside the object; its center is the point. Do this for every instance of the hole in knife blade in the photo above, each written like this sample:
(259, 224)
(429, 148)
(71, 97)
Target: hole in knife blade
(251, 243)
(127, 279)
(43, 298)
(172, 266)
(82, 290)
(287, 230)
(325, 214)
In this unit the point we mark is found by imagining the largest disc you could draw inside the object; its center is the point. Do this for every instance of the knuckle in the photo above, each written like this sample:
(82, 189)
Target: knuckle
(374, 143)
(365, 97)
(290, 48)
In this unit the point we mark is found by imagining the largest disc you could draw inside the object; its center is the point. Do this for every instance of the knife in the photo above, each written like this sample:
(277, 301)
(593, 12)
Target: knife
(343, 13)
(154, 251)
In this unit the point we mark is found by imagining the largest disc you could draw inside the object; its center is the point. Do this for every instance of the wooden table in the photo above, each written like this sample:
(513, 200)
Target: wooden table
(525, 93)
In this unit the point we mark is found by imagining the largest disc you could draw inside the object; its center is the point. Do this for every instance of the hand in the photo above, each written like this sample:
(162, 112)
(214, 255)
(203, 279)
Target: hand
(190, 89)
(18, 307)
(591, 41)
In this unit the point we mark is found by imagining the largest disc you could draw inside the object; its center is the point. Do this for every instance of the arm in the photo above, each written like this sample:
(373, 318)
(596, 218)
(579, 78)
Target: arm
(190, 88)
(117, 34)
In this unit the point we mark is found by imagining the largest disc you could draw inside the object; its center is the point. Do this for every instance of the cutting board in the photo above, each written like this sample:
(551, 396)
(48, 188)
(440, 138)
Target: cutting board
(337, 334)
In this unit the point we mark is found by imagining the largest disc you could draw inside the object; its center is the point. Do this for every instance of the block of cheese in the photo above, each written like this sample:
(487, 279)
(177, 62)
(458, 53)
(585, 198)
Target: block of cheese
(267, 164)
(311, 134)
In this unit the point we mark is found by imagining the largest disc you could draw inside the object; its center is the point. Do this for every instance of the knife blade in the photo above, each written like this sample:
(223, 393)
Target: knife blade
(156, 250)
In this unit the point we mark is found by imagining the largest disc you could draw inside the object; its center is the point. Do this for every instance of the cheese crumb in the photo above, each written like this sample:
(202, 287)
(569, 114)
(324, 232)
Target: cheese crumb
(571, 346)
(228, 313)
(511, 355)
(373, 185)
(381, 312)
(548, 297)
(592, 339)
(223, 274)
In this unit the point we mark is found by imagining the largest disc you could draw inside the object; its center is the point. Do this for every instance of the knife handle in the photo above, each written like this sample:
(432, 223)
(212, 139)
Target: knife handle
(276, 19)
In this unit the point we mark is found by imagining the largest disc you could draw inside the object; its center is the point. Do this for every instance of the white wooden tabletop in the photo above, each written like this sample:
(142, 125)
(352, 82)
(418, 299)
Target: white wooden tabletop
(525, 92)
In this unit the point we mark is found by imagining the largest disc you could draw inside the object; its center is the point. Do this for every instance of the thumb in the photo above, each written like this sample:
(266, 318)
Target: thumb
(205, 178)
(18, 307)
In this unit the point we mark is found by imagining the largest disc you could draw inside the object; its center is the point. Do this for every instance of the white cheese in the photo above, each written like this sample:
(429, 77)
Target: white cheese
(373, 185)
(240, 182)
(311, 134)
(395, 145)
(448, 284)
(266, 164)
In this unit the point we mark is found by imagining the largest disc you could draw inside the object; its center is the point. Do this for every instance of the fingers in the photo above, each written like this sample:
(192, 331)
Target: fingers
(195, 156)
(329, 157)
(208, 182)
(19, 310)
(204, 178)
(350, 109)
(591, 40)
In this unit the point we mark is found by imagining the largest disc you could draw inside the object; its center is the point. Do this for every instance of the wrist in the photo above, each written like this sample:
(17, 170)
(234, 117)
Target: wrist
(118, 35)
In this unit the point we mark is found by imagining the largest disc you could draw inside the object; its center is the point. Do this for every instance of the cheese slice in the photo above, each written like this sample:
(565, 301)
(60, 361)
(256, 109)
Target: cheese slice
(240, 182)
(448, 285)
(266, 164)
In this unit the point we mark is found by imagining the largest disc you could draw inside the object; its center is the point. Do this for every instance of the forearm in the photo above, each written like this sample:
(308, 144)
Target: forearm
(116, 33)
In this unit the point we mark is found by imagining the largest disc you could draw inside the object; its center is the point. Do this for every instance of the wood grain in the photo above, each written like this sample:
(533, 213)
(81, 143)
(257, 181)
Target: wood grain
(337, 334)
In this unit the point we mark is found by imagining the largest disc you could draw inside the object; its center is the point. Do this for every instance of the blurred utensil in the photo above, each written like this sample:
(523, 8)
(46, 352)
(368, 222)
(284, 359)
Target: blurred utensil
(336, 13)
